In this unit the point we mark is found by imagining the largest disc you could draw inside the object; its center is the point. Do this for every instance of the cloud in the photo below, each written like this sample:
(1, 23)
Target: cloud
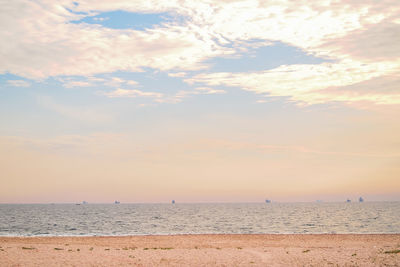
(160, 97)
(309, 84)
(378, 42)
(42, 42)
(359, 38)
(177, 74)
(18, 83)
(388, 85)
(117, 81)
(209, 91)
(132, 82)
(132, 93)
(180, 95)
(70, 82)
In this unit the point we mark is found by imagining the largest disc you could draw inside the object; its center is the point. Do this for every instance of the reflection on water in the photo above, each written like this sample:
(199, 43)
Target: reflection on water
(244, 218)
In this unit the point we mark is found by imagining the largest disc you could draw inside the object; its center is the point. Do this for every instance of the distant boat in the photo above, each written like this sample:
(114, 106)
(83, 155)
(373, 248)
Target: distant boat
(116, 202)
(84, 202)
(348, 200)
(360, 199)
(267, 201)
(173, 201)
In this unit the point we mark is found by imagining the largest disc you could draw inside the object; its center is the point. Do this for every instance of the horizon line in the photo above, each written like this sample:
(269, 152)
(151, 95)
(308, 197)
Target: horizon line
(202, 202)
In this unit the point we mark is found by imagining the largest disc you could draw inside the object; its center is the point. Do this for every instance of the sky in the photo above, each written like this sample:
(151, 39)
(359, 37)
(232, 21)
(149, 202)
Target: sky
(199, 101)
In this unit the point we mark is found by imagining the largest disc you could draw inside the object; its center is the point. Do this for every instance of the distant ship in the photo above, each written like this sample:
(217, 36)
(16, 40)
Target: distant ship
(360, 199)
(267, 201)
(116, 202)
(348, 200)
(173, 201)
(84, 202)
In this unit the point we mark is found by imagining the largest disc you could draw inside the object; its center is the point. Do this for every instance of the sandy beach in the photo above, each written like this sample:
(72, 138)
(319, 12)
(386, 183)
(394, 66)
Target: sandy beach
(203, 250)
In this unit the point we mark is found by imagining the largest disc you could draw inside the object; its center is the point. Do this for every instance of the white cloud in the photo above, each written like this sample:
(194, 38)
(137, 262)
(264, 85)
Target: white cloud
(70, 84)
(95, 79)
(132, 82)
(18, 83)
(308, 84)
(361, 38)
(117, 81)
(209, 91)
(177, 74)
(159, 97)
(378, 42)
(42, 42)
(114, 82)
(179, 96)
(132, 93)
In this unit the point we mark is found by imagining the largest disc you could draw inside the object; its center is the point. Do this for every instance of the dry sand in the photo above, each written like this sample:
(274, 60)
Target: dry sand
(203, 250)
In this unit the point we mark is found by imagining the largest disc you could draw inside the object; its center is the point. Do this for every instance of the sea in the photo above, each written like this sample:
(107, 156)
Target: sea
(206, 218)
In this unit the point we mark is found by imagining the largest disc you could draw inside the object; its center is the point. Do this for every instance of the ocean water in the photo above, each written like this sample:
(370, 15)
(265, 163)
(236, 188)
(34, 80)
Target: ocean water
(240, 218)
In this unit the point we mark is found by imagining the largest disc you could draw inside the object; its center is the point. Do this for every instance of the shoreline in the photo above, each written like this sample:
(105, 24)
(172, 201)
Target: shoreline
(195, 234)
(202, 250)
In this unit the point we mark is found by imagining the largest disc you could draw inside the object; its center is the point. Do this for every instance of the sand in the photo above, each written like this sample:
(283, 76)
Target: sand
(203, 250)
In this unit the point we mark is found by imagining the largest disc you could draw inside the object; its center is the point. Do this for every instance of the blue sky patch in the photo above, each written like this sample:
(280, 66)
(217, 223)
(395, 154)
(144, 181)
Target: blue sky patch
(127, 20)
(263, 58)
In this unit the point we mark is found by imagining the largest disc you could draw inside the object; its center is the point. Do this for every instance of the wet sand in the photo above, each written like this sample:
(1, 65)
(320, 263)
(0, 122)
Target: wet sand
(203, 250)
